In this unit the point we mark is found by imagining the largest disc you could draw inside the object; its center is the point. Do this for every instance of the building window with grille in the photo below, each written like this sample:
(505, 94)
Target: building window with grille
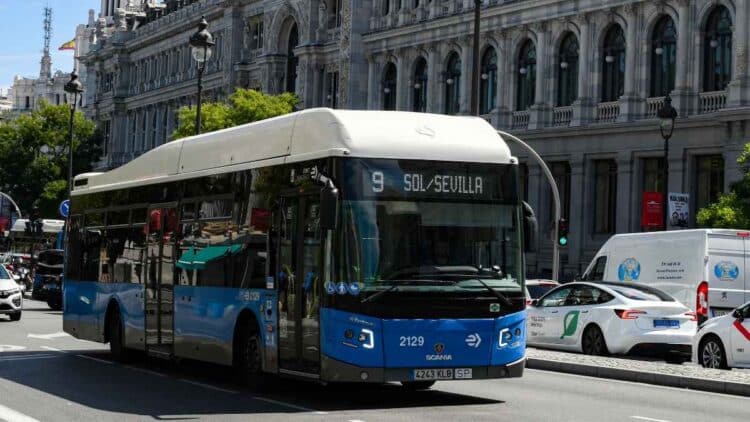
(332, 89)
(567, 75)
(419, 89)
(453, 84)
(526, 89)
(717, 50)
(613, 64)
(488, 88)
(709, 179)
(605, 196)
(561, 173)
(389, 87)
(653, 174)
(334, 14)
(663, 57)
(106, 136)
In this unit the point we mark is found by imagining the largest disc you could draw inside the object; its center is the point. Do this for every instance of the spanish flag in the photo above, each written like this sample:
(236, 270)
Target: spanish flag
(70, 45)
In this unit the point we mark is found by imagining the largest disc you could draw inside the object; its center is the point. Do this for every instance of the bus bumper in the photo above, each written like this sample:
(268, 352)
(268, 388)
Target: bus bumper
(333, 370)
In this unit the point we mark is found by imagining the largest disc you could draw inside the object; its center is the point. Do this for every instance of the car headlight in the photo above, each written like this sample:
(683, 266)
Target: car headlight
(11, 292)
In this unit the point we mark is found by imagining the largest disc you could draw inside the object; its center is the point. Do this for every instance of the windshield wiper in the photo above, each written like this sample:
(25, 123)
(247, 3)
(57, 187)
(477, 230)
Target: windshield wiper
(504, 299)
(396, 283)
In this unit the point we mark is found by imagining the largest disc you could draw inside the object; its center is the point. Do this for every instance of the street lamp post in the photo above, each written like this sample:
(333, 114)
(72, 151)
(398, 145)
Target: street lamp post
(74, 87)
(475, 69)
(201, 42)
(667, 115)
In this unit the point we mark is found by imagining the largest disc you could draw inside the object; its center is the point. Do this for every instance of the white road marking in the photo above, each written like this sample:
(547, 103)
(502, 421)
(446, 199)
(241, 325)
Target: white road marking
(645, 418)
(10, 415)
(641, 384)
(209, 386)
(49, 336)
(355, 420)
(289, 405)
(95, 359)
(27, 357)
(10, 348)
(52, 349)
(148, 371)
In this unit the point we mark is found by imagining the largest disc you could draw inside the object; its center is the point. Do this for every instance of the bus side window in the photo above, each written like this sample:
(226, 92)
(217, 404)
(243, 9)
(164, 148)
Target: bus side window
(74, 252)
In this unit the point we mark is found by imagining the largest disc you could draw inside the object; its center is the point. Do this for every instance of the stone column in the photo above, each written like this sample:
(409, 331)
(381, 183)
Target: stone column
(504, 93)
(540, 112)
(372, 83)
(465, 80)
(402, 77)
(433, 78)
(575, 219)
(739, 88)
(583, 107)
(684, 97)
(630, 102)
(624, 192)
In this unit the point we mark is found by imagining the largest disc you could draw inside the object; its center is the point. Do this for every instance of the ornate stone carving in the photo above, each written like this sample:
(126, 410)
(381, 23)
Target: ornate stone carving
(631, 9)
(345, 49)
(322, 14)
(120, 23)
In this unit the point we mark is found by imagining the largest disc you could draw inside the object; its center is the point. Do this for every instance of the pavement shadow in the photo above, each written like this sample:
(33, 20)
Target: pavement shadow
(132, 390)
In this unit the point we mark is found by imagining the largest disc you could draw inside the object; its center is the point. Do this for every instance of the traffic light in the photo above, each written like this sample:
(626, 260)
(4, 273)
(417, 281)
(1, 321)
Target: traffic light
(562, 232)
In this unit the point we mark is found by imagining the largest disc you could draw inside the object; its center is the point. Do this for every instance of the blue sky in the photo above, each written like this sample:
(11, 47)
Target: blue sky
(21, 29)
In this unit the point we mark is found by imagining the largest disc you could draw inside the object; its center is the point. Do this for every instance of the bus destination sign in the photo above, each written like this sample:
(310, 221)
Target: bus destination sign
(414, 179)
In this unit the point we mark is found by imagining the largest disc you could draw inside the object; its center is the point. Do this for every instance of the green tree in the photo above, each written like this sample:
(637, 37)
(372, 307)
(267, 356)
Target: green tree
(731, 210)
(243, 106)
(34, 156)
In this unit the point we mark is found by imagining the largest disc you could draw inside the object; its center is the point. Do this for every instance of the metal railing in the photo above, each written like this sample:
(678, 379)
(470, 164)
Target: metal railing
(712, 101)
(561, 116)
(607, 112)
(520, 119)
(653, 105)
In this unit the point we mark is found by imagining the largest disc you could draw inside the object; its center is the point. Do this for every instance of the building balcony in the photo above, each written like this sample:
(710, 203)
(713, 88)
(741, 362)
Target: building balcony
(520, 120)
(562, 116)
(607, 112)
(711, 102)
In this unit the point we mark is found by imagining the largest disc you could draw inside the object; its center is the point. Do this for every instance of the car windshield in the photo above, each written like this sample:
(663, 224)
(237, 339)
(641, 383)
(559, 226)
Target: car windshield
(3, 273)
(641, 293)
(538, 290)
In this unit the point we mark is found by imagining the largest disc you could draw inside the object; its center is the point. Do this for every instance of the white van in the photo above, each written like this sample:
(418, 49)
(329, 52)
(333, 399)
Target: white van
(704, 269)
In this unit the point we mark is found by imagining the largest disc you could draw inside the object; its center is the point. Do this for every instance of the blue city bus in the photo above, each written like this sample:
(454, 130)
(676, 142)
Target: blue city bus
(338, 246)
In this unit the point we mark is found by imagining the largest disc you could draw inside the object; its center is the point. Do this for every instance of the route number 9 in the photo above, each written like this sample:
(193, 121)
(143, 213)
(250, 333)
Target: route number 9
(377, 181)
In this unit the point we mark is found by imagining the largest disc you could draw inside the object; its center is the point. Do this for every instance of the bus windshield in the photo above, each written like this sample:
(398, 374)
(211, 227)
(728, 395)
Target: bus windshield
(427, 244)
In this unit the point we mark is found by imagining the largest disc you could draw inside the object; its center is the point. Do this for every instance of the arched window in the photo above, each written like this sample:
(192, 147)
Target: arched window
(717, 50)
(526, 89)
(389, 87)
(419, 92)
(663, 57)
(453, 84)
(291, 60)
(613, 64)
(567, 76)
(386, 7)
(488, 83)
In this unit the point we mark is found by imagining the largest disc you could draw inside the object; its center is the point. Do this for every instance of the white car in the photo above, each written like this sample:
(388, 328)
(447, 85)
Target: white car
(602, 318)
(724, 342)
(11, 298)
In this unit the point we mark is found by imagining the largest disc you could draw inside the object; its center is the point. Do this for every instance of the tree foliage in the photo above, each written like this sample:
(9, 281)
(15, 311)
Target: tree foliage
(731, 210)
(34, 156)
(243, 106)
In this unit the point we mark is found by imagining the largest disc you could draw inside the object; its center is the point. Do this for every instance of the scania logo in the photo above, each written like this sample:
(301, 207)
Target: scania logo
(439, 348)
(438, 357)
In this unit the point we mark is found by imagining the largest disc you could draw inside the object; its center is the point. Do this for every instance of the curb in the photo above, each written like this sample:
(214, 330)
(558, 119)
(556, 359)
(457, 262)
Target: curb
(714, 386)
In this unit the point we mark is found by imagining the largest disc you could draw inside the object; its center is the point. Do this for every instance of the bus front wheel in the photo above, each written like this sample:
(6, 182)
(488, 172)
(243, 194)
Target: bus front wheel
(417, 385)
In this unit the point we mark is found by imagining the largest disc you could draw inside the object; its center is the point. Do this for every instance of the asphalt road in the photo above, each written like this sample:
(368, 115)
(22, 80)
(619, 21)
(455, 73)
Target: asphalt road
(46, 375)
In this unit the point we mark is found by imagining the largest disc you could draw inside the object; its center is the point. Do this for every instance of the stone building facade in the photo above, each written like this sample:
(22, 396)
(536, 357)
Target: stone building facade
(580, 81)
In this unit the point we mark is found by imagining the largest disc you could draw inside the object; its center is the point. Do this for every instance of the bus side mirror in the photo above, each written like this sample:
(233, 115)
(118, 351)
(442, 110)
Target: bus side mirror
(329, 201)
(530, 228)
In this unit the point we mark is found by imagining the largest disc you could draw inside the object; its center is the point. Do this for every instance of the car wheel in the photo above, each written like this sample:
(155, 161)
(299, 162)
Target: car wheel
(249, 358)
(417, 385)
(116, 344)
(16, 316)
(54, 304)
(711, 353)
(593, 342)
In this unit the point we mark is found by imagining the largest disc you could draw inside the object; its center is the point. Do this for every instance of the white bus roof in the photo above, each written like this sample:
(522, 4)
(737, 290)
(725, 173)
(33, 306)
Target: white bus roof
(48, 225)
(306, 135)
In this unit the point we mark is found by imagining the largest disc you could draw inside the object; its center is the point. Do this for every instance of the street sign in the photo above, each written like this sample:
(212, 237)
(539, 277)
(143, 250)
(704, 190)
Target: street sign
(64, 208)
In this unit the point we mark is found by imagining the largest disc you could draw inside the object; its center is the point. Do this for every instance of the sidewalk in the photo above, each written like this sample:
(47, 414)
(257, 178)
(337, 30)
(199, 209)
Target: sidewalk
(687, 375)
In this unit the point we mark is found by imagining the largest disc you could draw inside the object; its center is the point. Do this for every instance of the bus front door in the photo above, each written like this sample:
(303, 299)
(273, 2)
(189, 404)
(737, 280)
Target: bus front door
(298, 279)
(158, 300)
